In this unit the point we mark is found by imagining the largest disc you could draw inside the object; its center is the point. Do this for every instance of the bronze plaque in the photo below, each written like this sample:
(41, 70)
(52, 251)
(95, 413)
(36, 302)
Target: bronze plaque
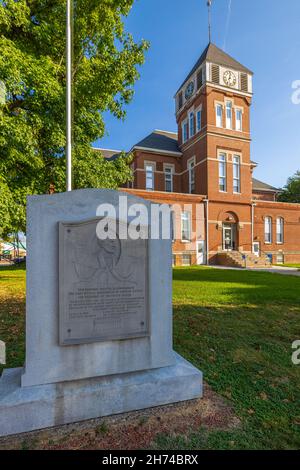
(103, 291)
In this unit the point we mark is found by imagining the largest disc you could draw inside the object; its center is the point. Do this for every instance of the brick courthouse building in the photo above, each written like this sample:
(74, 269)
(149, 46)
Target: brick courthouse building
(207, 167)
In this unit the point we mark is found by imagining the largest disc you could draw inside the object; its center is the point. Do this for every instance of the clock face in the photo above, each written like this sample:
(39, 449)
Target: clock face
(189, 90)
(229, 78)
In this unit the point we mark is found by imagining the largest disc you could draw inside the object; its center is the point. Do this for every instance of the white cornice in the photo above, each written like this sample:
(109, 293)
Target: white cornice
(228, 89)
(157, 151)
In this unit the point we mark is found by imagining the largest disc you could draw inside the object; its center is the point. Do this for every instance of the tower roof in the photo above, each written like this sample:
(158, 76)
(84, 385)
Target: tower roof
(214, 54)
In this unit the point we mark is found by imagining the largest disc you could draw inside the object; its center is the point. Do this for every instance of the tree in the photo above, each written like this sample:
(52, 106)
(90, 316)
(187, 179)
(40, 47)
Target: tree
(291, 191)
(32, 117)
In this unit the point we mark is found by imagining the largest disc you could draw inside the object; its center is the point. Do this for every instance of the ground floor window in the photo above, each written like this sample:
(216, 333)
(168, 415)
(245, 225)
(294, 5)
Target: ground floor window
(174, 260)
(186, 259)
(280, 258)
(186, 226)
(279, 230)
(268, 230)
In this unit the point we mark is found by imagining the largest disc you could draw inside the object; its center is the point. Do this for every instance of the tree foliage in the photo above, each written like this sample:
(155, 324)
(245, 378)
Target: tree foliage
(291, 191)
(32, 119)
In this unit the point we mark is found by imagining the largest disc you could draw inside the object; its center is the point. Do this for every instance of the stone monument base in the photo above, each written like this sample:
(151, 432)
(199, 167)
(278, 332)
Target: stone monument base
(24, 409)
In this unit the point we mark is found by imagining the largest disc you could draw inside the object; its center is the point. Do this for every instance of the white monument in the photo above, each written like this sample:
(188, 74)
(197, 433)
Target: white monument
(98, 320)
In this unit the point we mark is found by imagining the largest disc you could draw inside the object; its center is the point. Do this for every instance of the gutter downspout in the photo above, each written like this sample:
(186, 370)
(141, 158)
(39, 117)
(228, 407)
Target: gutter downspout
(253, 205)
(207, 227)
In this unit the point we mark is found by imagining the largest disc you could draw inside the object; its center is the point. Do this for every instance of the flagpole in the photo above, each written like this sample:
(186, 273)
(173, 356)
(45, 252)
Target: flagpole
(69, 97)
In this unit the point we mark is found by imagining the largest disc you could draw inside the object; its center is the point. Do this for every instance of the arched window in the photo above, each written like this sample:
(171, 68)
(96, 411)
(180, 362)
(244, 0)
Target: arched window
(268, 230)
(279, 229)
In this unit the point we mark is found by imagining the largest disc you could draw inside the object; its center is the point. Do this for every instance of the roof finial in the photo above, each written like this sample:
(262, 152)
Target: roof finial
(209, 2)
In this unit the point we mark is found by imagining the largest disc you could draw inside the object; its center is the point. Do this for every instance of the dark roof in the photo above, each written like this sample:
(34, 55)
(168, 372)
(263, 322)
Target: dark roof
(261, 186)
(214, 54)
(109, 154)
(160, 140)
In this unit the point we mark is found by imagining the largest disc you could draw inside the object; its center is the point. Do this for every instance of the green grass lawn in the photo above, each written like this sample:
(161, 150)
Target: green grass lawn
(12, 314)
(237, 327)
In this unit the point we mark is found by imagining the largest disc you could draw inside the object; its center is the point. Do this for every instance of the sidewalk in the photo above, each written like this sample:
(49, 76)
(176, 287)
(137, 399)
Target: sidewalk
(274, 269)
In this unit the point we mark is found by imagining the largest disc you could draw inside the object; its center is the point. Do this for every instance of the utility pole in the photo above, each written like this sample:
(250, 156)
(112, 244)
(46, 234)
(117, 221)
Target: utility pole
(69, 96)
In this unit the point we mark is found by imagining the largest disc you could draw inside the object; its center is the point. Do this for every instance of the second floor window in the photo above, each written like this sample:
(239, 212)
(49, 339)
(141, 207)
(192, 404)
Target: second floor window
(149, 177)
(185, 131)
(191, 124)
(238, 119)
(186, 226)
(199, 120)
(222, 172)
(191, 169)
(228, 114)
(169, 179)
(268, 230)
(236, 174)
(219, 115)
(279, 230)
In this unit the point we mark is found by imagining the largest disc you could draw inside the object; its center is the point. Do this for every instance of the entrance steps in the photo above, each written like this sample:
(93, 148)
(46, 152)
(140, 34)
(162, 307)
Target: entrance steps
(236, 259)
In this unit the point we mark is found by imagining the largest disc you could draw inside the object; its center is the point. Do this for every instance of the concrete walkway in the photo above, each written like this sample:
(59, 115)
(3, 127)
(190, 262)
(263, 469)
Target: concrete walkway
(274, 269)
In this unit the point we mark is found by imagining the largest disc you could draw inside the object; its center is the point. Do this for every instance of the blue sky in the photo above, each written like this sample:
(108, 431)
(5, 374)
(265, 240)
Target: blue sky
(264, 35)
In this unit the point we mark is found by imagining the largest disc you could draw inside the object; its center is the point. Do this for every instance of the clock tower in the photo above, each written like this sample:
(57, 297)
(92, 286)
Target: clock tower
(213, 117)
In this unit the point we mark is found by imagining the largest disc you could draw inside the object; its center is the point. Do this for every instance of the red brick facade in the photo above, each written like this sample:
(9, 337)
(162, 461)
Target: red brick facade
(228, 206)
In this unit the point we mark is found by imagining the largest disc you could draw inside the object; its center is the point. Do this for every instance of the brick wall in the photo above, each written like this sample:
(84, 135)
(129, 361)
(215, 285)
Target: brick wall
(290, 248)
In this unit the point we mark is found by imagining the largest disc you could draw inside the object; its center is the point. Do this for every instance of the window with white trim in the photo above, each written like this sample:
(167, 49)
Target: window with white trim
(280, 258)
(219, 115)
(173, 226)
(238, 119)
(268, 230)
(279, 229)
(191, 124)
(185, 131)
(186, 259)
(186, 226)
(236, 166)
(150, 167)
(191, 170)
(199, 120)
(222, 172)
(168, 179)
(228, 115)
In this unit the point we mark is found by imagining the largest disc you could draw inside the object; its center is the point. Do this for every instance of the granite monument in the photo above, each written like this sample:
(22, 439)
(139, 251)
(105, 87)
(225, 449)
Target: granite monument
(98, 319)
